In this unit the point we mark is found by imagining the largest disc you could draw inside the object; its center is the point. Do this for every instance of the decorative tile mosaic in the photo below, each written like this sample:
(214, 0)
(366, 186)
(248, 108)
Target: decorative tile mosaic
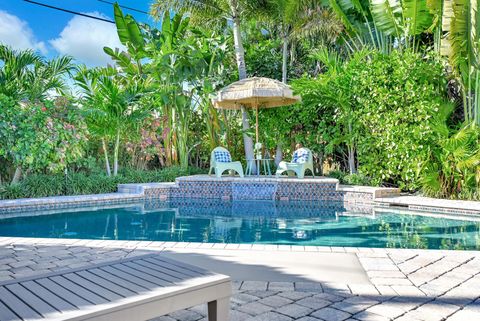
(240, 208)
(61, 202)
(357, 197)
(254, 191)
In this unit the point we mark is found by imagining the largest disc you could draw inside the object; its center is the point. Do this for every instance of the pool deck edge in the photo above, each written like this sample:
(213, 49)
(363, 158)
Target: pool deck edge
(403, 284)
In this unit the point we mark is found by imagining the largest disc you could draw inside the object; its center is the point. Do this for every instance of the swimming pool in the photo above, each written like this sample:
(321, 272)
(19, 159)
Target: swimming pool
(266, 222)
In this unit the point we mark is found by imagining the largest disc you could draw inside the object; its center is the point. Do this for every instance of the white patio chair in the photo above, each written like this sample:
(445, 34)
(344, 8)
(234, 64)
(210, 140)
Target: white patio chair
(301, 161)
(221, 160)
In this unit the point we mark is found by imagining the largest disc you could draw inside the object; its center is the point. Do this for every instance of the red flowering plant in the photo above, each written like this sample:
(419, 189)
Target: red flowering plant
(43, 137)
(148, 144)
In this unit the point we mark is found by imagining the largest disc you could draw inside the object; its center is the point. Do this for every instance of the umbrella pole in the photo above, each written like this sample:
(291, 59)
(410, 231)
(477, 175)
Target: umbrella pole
(256, 127)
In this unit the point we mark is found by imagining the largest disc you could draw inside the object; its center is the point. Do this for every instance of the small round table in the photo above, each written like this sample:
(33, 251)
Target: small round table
(263, 162)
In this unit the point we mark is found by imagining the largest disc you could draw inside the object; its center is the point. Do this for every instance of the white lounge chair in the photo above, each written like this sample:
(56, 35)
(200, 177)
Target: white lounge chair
(134, 289)
(301, 161)
(221, 160)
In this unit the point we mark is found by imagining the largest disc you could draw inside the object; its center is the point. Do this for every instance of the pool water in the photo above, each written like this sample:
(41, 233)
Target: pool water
(299, 223)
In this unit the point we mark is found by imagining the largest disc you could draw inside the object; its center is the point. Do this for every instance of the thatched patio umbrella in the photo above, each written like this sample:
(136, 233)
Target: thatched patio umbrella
(255, 92)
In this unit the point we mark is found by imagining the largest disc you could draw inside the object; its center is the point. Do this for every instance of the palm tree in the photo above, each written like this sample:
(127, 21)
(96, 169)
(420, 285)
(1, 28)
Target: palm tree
(25, 75)
(218, 12)
(300, 19)
(111, 105)
(454, 165)
(14, 72)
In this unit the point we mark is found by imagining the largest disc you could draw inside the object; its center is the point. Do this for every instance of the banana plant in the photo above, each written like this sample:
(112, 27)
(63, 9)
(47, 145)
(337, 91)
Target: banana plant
(384, 24)
(464, 54)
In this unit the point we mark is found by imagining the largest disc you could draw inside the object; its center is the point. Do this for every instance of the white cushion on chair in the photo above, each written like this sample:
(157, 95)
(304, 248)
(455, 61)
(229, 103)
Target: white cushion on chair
(300, 156)
(222, 156)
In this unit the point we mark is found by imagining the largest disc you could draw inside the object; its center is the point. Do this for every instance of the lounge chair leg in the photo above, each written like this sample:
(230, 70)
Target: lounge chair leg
(218, 310)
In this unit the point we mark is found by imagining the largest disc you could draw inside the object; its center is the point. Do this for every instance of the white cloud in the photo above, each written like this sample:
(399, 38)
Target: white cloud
(17, 34)
(84, 39)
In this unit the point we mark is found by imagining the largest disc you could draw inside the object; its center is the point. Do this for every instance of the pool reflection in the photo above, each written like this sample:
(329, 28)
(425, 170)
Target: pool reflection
(302, 223)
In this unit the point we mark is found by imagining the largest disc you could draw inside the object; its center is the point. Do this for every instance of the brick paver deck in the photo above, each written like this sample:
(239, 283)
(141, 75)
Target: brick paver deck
(405, 284)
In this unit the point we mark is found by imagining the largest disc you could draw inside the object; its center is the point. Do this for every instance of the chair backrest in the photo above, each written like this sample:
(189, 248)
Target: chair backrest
(302, 155)
(220, 155)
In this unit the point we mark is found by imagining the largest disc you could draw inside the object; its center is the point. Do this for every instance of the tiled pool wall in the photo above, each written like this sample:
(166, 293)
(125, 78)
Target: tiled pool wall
(30, 206)
(218, 207)
(254, 190)
(202, 187)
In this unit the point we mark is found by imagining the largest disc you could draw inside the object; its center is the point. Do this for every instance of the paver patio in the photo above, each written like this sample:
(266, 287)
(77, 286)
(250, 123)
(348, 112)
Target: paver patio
(404, 284)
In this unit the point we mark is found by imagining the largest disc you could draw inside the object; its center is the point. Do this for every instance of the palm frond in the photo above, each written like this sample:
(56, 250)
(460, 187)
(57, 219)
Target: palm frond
(417, 16)
(387, 15)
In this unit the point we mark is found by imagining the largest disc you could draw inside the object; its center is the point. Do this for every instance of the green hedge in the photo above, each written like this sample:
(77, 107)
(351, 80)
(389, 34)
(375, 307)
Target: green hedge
(42, 185)
(351, 179)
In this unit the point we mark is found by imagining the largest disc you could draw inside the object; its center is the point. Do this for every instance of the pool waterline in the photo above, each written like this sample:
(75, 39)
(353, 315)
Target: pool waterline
(262, 222)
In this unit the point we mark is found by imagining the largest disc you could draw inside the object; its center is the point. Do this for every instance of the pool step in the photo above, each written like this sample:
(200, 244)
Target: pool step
(141, 188)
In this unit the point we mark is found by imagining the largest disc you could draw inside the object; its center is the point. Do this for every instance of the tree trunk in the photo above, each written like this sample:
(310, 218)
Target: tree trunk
(351, 152)
(351, 160)
(17, 175)
(115, 153)
(238, 43)
(105, 155)
(278, 153)
(284, 59)
(242, 74)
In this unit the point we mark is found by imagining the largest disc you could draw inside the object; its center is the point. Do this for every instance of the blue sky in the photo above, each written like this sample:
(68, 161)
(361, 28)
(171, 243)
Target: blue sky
(51, 32)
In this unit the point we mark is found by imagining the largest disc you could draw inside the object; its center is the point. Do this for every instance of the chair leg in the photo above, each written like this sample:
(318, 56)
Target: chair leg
(300, 173)
(218, 310)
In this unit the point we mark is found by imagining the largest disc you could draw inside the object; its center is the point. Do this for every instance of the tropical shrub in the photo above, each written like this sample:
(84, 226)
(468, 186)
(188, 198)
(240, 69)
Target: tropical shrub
(453, 167)
(376, 110)
(395, 99)
(351, 179)
(42, 185)
(45, 136)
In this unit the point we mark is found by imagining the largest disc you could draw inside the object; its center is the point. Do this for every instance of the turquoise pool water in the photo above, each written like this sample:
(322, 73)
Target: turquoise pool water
(301, 223)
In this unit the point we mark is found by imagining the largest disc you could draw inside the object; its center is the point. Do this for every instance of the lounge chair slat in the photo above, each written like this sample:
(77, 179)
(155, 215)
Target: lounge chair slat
(6, 314)
(77, 289)
(166, 274)
(188, 267)
(122, 291)
(54, 300)
(15, 304)
(115, 279)
(92, 287)
(67, 295)
(33, 300)
(130, 289)
(185, 269)
(129, 277)
(143, 276)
